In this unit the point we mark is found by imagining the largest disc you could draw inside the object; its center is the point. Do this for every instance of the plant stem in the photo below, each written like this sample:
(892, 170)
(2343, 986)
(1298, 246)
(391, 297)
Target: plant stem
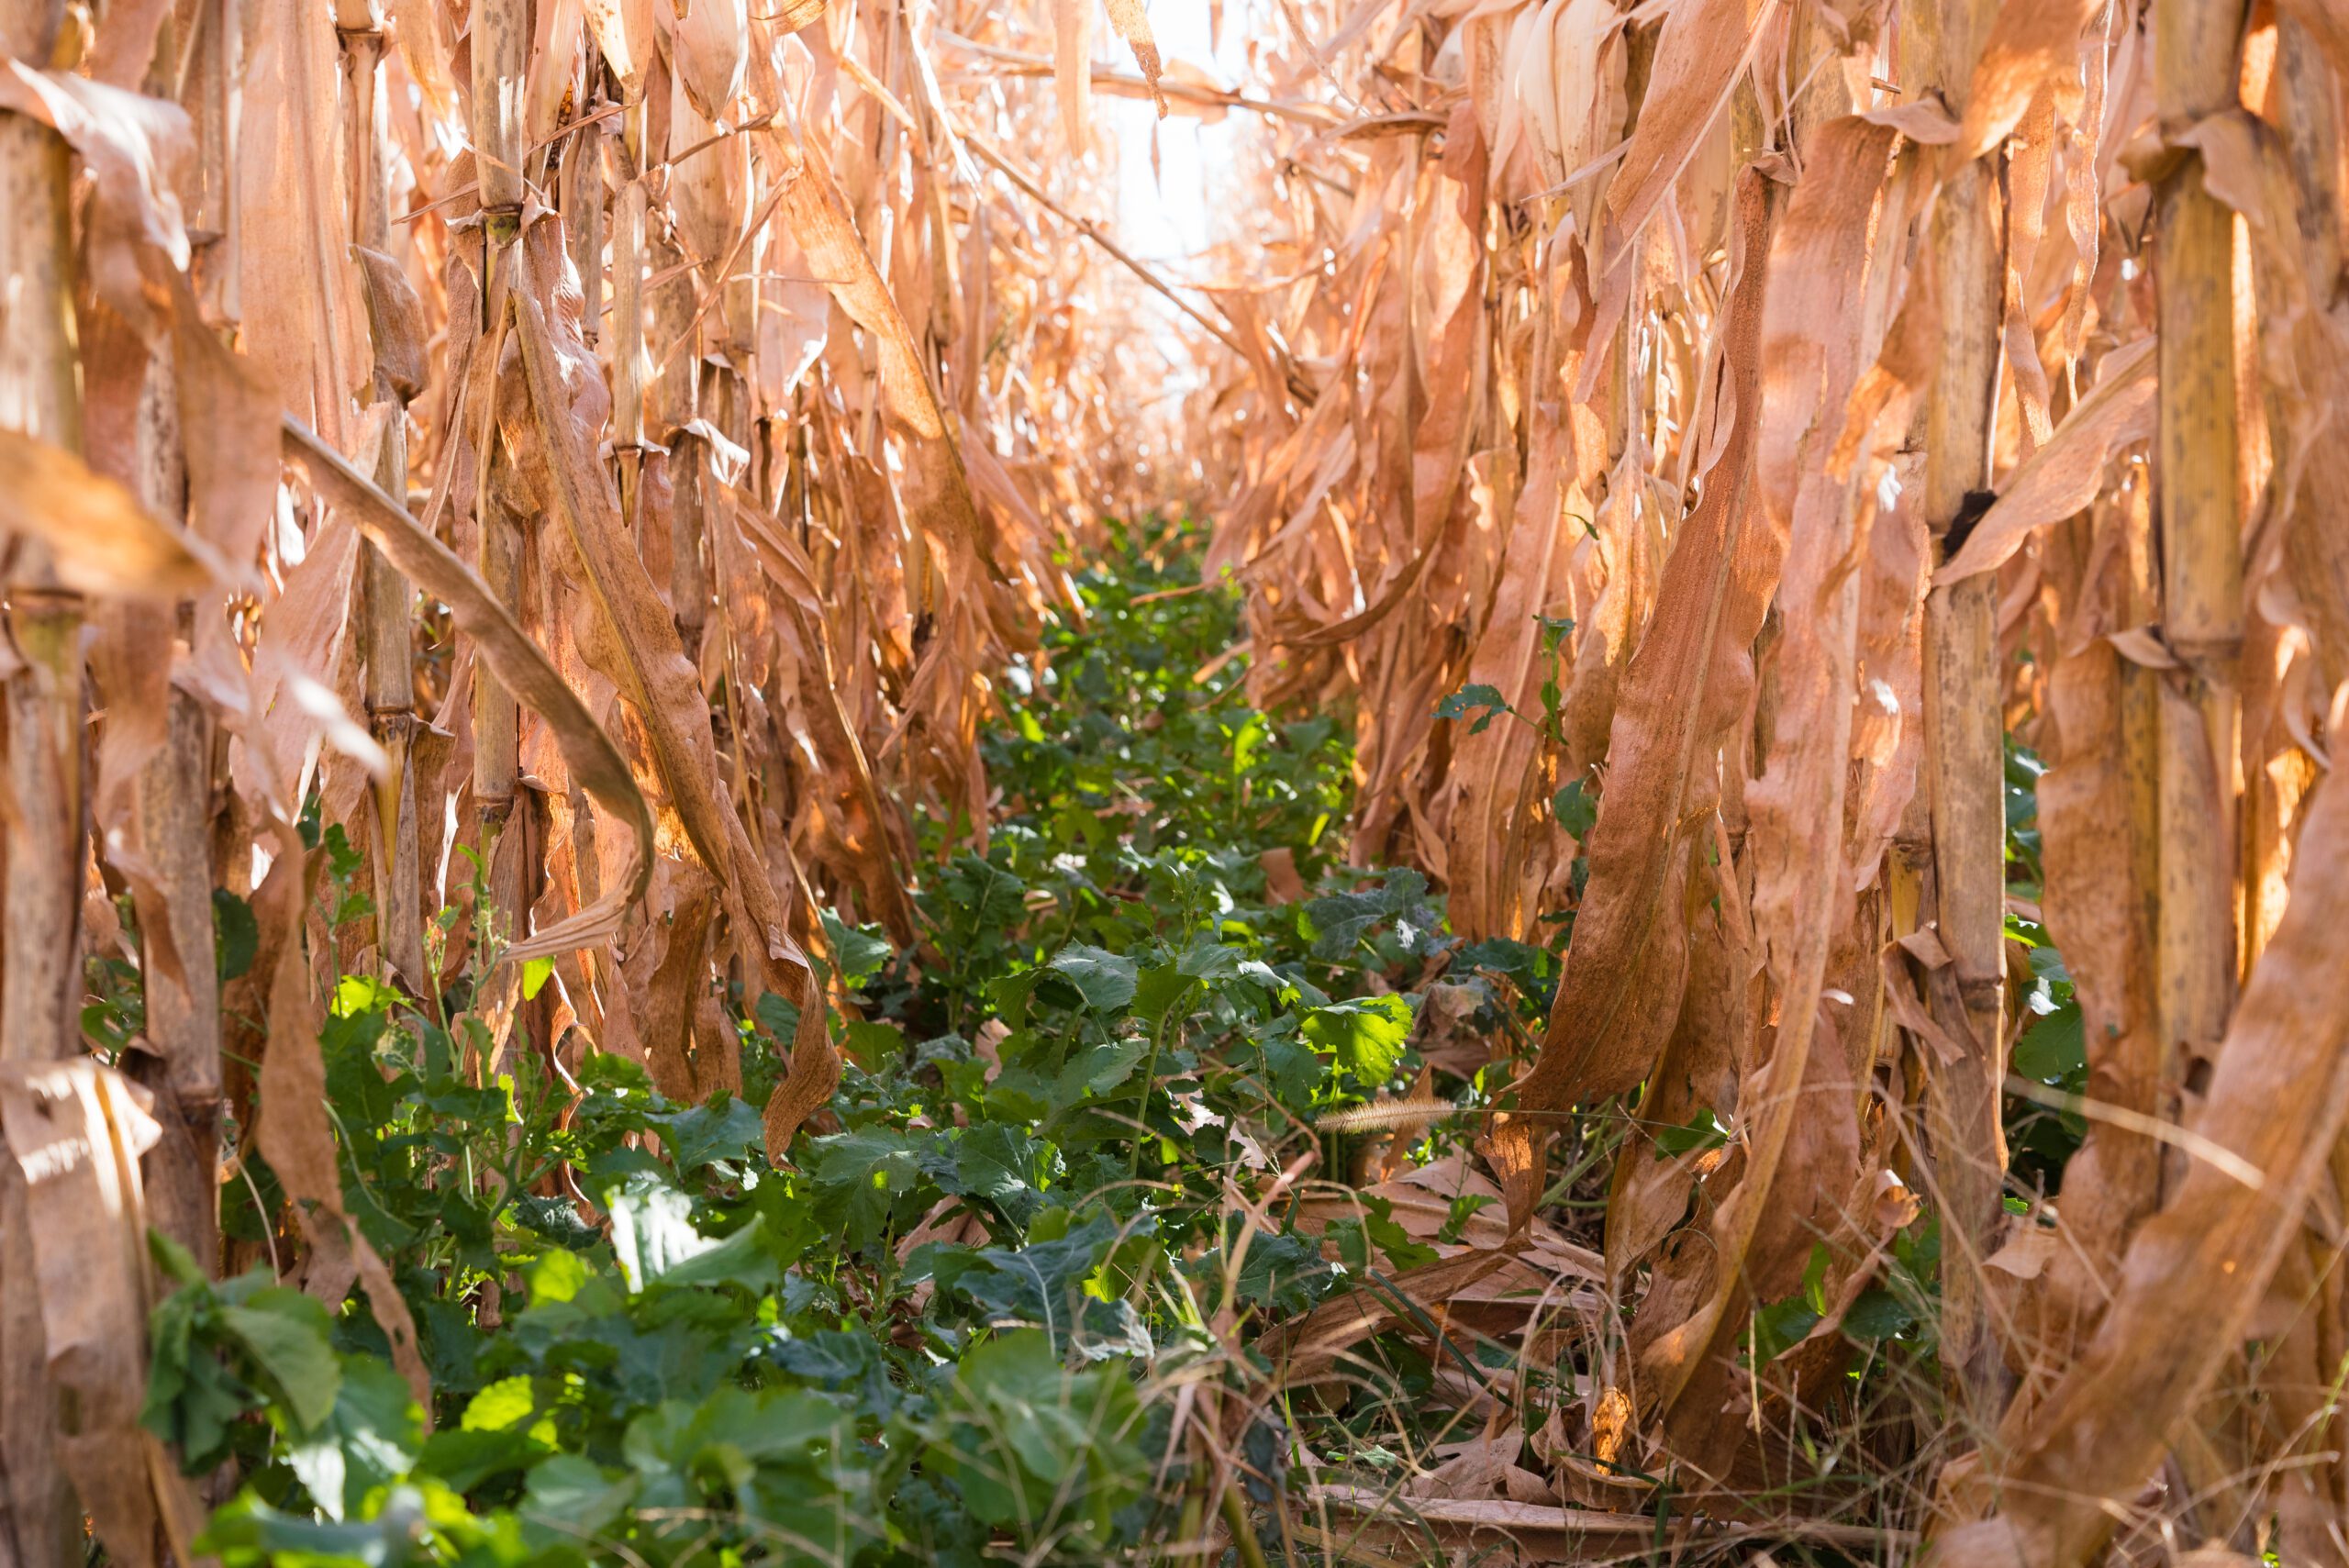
(385, 599)
(501, 43)
(1964, 761)
(2199, 528)
(1244, 1535)
(39, 920)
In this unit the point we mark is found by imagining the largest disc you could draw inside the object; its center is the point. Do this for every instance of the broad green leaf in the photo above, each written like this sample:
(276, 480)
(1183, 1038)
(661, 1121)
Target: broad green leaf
(1367, 1035)
(1286, 1273)
(1105, 980)
(654, 1240)
(465, 1458)
(778, 1015)
(1575, 811)
(572, 1498)
(1779, 1326)
(1294, 1071)
(859, 951)
(238, 934)
(1029, 1445)
(1001, 1164)
(290, 1337)
(1042, 1284)
(504, 1405)
(1878, 1315)
(2053, 1049)
(726, 1128)
(370, 1439)
(738, 1258)
(1702, 1130)
(1099, 1068)
(859, 1177)
(986, 897)
(1340, 922)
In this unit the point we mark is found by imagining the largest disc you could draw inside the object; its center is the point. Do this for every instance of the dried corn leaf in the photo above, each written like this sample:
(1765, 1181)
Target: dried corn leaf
(1072, 70)
(520, 665)
(102, 541)
(74, 1132)
(2064, 475)
(1132, 21)
(1685, 688)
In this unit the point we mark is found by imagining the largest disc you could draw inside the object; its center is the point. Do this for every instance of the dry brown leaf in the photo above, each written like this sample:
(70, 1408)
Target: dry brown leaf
(1282, 885)
(623, 31)
(1697, 1072)
(1308, 1348)
(1132, 21)
(416, 24)
(1686, 686)
(2065, 474)
(1536, 1533)
(939, 491)
(397, 324)
(104, 542)
(2031, 44)
(136, 147)
(709, 49)
(1802, 891)
(1072, 70)
(74, 1132)
(519, 666)
(307, 330)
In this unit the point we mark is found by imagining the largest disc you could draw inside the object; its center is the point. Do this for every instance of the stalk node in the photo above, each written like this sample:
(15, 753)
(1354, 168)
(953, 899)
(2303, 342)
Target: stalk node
(2206, 656)
(1981, 992)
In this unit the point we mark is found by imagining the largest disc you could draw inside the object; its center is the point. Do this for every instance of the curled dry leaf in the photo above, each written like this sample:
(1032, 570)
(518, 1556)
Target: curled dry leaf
(1132, 21)
(2067, 472)
(136, 147)
(2031, 44)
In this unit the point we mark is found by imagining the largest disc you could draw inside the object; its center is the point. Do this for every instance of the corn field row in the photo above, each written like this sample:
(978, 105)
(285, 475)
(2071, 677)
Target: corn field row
(599, 456)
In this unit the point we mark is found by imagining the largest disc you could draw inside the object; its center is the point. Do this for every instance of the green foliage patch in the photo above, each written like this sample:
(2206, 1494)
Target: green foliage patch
(955, 1328)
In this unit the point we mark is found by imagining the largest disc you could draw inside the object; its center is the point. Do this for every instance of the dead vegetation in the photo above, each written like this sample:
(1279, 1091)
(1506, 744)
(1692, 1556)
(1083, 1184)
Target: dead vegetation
(619, 446)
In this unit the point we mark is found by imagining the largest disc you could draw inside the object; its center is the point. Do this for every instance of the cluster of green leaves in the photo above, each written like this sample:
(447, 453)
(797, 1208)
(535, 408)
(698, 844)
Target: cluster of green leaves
(2051, 1050)
(647, 1344)
(948, 1330)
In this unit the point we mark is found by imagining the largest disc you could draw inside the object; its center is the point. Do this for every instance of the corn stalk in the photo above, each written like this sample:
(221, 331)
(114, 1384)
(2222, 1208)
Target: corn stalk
(2199, 525)
(385, 599)
(39, 918)
(501, 47)
(1964, 771)
(39, 396)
